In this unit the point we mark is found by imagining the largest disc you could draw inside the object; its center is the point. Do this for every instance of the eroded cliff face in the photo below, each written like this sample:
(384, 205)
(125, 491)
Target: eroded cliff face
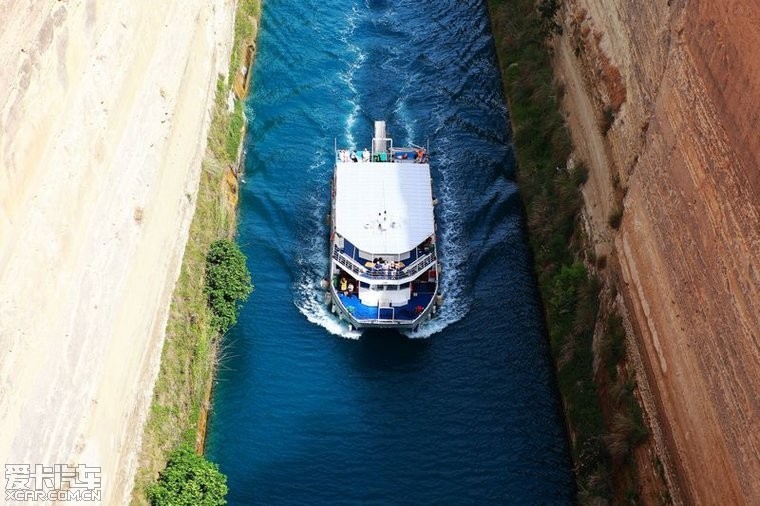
(679, 154)
(103, 120)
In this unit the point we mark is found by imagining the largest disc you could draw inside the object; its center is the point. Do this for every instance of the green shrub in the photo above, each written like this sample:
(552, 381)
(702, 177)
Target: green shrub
(189, 479)
(607, 119)
(234, 138)
(547, 9)
(571, 312)
(228, 282)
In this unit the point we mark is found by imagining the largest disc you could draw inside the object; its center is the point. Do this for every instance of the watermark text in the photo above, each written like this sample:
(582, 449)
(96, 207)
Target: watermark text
(59, 482)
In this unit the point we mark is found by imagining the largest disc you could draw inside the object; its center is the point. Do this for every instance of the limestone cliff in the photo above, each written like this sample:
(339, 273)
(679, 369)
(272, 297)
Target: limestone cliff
(104, 119)
(663, 105)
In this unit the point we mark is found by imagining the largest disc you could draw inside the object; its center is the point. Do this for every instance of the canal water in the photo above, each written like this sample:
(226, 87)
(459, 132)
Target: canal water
(463, 412)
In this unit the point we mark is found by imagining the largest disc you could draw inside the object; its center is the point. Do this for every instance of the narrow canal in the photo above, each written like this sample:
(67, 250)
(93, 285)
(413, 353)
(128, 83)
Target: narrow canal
(466, 412)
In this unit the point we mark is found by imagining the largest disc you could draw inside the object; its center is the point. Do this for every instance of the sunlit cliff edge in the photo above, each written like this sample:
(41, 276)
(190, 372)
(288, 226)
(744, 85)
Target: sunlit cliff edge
(104, 119)
(663, 106)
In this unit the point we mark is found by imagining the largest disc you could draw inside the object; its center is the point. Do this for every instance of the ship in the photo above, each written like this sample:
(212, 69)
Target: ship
(384, 269)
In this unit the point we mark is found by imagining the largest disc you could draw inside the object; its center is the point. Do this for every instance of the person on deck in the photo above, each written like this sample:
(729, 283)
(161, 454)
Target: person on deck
(365, 155)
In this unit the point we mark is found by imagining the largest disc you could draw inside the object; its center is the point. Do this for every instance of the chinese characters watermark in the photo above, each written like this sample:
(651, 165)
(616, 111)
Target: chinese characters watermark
(59, 482)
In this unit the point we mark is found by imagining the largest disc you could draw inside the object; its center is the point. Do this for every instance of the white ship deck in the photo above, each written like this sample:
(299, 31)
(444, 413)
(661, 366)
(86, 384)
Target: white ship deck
(383, 207)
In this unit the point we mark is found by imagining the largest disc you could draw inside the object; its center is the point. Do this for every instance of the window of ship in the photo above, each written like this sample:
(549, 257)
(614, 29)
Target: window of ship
(380, 288)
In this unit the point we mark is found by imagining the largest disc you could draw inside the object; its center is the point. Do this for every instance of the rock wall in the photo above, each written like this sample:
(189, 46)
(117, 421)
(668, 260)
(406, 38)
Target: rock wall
(104, 119)
(680, 156)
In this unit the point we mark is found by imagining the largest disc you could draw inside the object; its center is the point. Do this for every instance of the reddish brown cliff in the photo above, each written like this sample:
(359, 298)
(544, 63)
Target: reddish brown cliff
(663, 101)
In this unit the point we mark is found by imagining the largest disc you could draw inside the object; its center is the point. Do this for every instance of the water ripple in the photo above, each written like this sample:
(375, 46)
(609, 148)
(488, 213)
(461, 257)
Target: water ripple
(467, 416)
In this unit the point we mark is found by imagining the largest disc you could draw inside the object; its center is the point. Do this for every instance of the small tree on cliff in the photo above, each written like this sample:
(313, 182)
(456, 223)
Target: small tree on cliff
(547, 10)
(189, 479)
(228, 282)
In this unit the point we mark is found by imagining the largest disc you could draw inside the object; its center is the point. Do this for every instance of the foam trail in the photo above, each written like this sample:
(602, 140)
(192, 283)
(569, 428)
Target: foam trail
(346, 76)
(453, 257)
(313, 265)
(453, 247)
(402, 111)
(311, 306)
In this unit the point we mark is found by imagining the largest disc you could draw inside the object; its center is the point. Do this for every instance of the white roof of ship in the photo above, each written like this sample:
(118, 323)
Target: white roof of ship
(383, 207)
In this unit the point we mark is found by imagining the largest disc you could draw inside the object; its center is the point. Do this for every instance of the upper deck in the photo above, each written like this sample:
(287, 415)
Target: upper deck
(383, 207)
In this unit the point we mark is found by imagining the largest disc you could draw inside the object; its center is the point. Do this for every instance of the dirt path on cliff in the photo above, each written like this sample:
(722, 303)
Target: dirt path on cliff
(598, 193)
(590, 148)
(104, 114)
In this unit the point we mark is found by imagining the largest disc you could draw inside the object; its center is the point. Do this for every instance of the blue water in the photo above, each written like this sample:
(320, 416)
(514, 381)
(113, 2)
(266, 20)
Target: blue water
(463, 412)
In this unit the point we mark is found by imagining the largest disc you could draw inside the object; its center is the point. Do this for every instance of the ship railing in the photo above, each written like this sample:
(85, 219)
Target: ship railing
(347, 262)
(386, 309)
(407, 154)
(386, 314)
(421, 264)
(352, 265)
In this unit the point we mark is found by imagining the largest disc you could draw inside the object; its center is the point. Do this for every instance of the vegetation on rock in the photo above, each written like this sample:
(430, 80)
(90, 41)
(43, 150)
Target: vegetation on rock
(192, 339)
(601, 435)
(228, 282)
(189, 480)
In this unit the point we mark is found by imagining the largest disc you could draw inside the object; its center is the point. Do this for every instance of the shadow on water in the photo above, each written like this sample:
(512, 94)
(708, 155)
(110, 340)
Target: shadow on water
(387, 350)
